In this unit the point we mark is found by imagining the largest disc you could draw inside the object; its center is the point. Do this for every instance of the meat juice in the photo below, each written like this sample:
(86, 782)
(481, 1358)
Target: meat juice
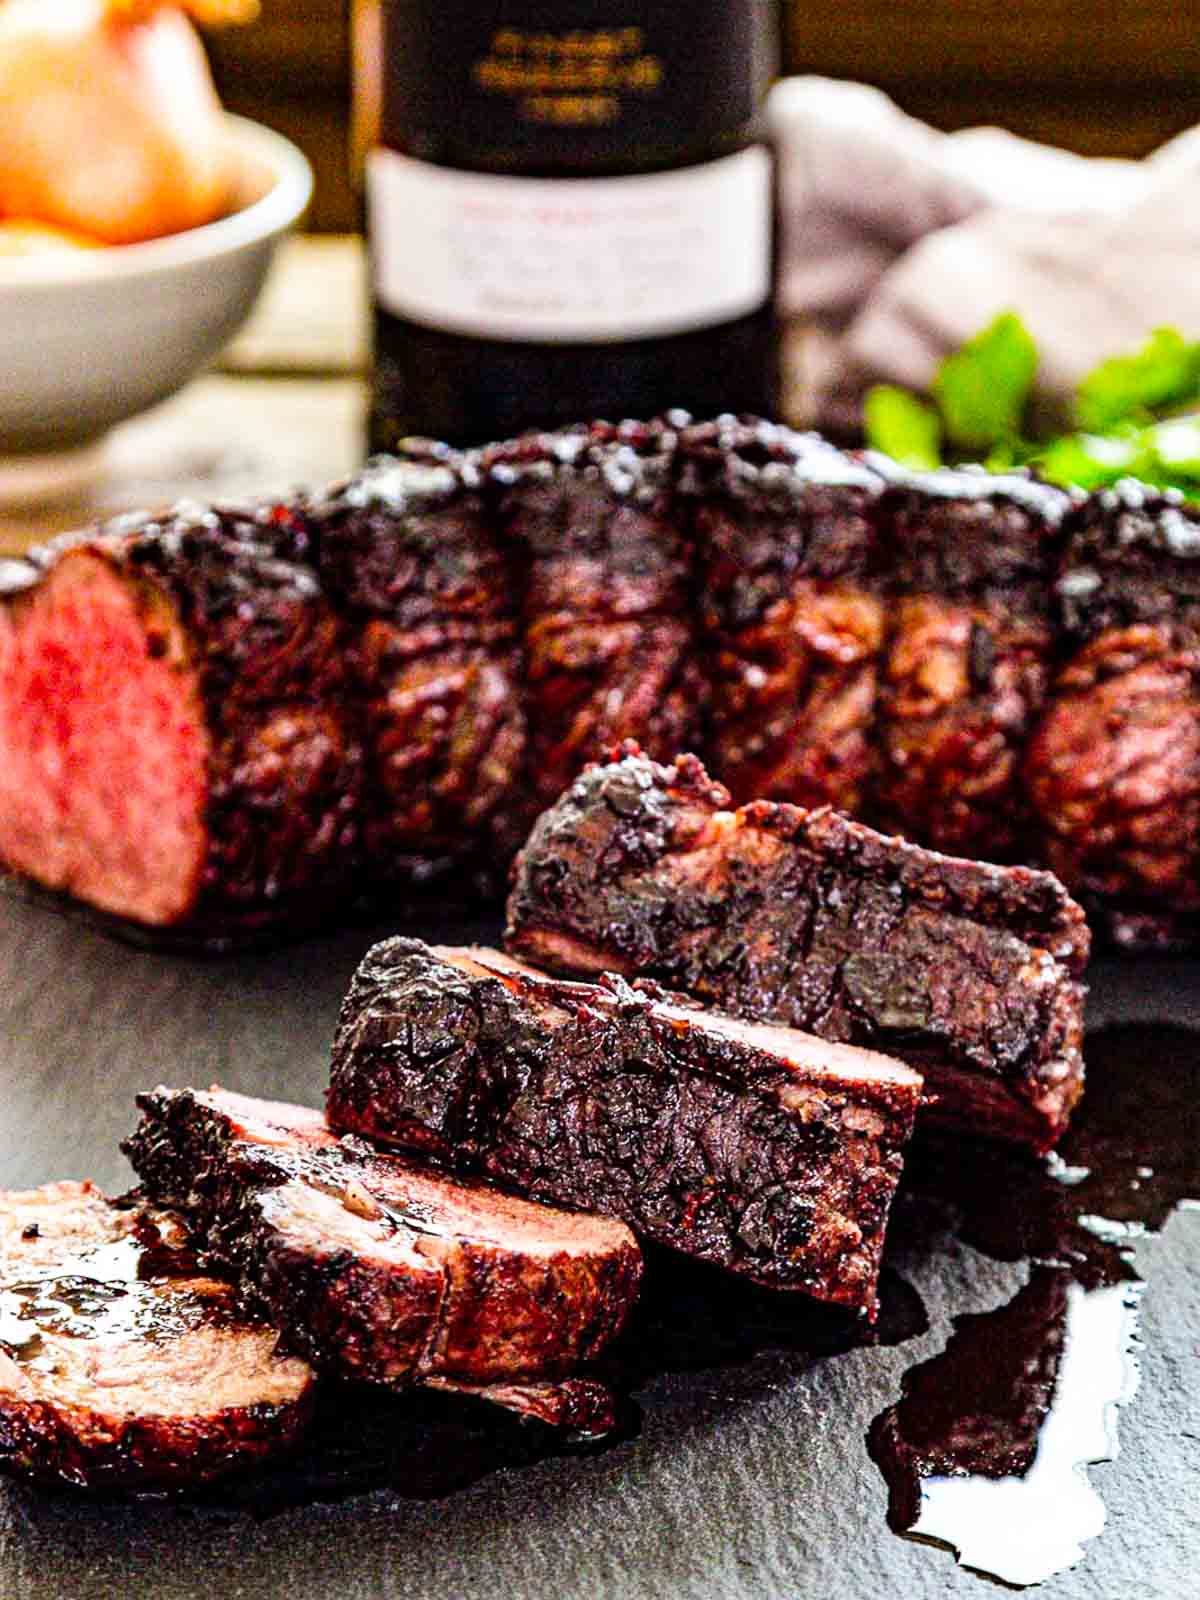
(570, 211)
(984, 1450)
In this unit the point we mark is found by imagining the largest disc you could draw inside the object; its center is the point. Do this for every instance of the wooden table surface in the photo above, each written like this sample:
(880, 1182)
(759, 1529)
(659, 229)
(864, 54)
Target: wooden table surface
(284, 407)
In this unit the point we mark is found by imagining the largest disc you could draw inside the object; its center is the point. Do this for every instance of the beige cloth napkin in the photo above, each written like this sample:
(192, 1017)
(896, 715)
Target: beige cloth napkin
(899, 242)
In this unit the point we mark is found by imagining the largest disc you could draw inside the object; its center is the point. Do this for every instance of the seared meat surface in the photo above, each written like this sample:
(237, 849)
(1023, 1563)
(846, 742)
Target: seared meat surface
(765, 1151)
(407, 552)
(224, 723)
(375, 1269)
(609, 647)
(968, 972)
(792, 610)
(1114, 770)
(123, 1364)
(971, 559)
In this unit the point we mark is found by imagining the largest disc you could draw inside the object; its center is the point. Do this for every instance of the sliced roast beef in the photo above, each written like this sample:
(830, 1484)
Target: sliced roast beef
(971, 558)
(759, 1149)
(407, 552)
(608, 637)
(968, 972)
(791, 606)
(374, 1269)
(122, 1364)
(176, 745)
(1114, 770)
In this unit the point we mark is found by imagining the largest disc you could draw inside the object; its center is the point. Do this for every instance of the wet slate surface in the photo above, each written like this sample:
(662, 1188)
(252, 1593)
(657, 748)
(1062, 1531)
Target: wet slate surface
(750, 1475)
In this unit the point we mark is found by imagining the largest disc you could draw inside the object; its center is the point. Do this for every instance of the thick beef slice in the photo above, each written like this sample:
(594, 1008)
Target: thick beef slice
(971, 559)
(774, 913)
(375, 1269)
(765, 1151)
(791, 608)
(122, 1364)
(175, 741)
(1113, 771)
(608, 638)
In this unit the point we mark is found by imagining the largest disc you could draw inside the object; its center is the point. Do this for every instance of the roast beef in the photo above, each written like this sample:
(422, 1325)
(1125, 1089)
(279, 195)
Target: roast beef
(123, 1365)
(374, 1269)
(176, 741)
(968, 972)
(223, 724)
(971, 559)
(1114, 770)
(759, 1149)
(792, 610)
(609, 642)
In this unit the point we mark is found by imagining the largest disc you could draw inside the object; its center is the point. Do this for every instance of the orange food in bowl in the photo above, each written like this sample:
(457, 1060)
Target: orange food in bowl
(109, 122)
(21, 237)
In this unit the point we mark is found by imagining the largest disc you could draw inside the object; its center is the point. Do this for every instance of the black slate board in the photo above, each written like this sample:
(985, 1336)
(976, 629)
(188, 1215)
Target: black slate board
(750, 1476)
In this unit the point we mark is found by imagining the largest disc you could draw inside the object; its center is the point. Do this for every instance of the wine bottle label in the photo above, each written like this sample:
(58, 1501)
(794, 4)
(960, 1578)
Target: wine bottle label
(571, 260)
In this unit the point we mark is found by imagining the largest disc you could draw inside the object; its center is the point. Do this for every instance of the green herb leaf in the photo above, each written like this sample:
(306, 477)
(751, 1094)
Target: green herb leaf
(983, 388)
(1088, 461)
(897, 423)
(1164, 372)
(1177, 445)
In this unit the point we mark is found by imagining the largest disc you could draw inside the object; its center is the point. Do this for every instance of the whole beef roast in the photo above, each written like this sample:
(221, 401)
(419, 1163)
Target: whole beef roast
(968, 972)
(1114, 771)
(123, 1365)
(374, 1269)
(762, 1150)
(221, 725)
(176, 743)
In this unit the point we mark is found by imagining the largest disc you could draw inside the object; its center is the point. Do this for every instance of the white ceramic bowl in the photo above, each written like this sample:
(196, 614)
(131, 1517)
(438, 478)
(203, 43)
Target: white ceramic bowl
(90, 338)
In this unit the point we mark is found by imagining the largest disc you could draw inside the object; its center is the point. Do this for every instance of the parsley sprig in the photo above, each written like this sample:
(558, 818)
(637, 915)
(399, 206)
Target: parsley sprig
(1131, 414)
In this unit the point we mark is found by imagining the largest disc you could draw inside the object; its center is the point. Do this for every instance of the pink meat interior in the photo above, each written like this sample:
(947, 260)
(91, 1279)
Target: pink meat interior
(103, 747)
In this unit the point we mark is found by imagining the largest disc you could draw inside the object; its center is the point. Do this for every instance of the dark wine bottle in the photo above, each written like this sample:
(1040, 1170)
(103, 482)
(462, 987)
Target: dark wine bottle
(570, 212)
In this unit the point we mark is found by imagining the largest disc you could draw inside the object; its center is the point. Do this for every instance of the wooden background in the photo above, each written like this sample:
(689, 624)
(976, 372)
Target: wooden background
(1112, 77)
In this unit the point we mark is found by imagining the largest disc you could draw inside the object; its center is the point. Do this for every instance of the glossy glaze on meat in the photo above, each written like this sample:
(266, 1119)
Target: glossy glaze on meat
(594, 528)
(373, 1268)
(1113, 772)
(971, 559)
(789, 576)
(758, 1149)
(407, 551)
(968, 972)
(123, 1363)
(231, 722)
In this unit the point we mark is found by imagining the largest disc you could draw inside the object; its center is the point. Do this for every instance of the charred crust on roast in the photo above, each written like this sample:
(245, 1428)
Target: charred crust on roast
(828, 627)
(1113, 769)
(449, 1280)
(969, 971)
(766, 1153)
(408, 549)
(790, 596)
(604, 569)
(1132, 557)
